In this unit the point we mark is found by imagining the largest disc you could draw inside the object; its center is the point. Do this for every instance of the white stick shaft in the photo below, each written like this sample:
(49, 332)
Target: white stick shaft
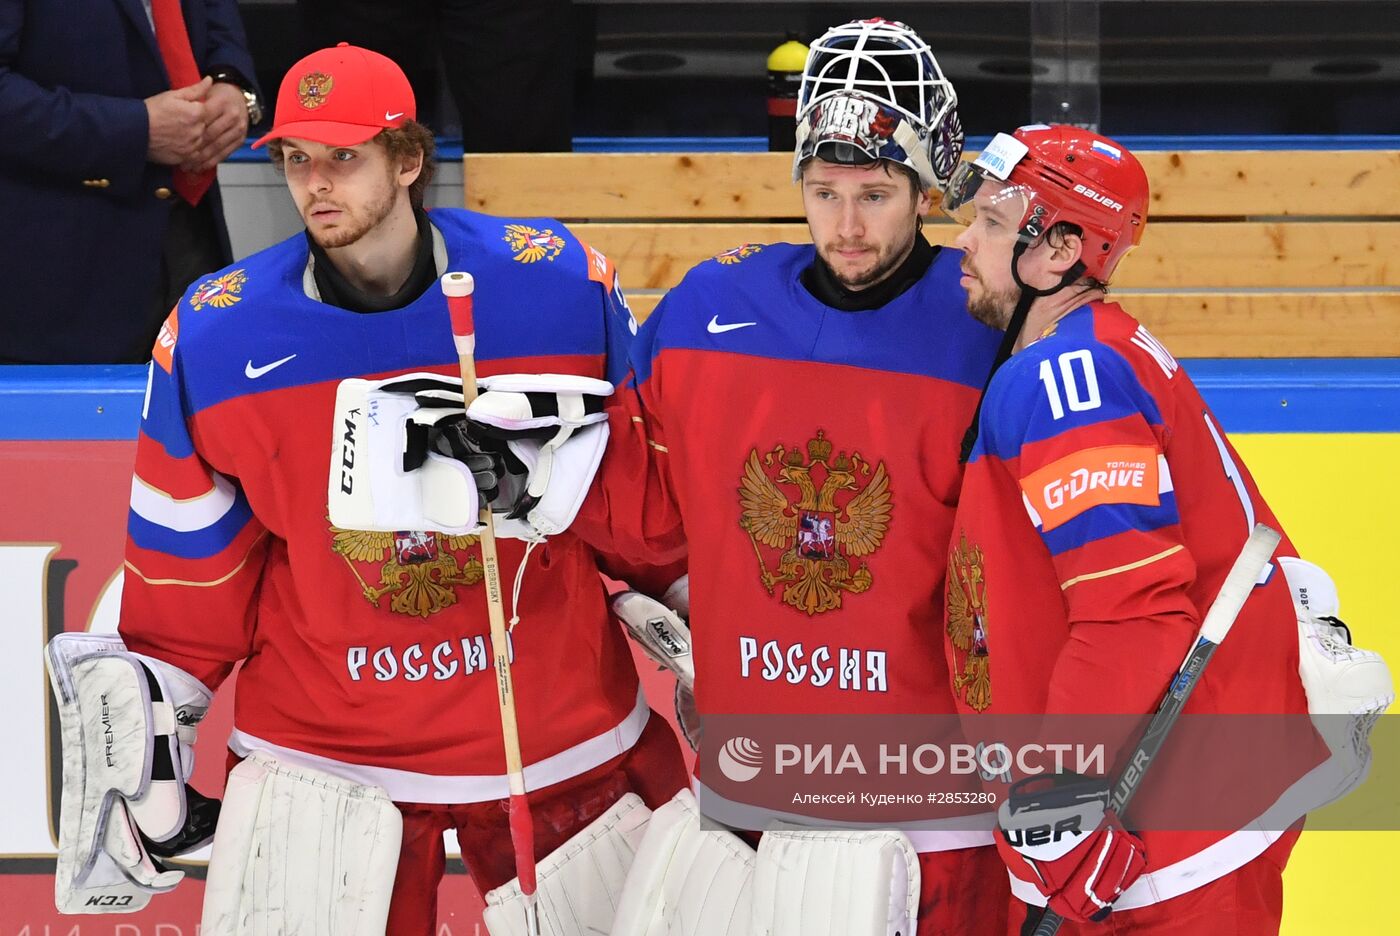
(1239, 584)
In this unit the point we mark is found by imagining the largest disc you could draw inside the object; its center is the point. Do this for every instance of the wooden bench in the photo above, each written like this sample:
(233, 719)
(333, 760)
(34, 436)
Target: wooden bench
(1247, 253)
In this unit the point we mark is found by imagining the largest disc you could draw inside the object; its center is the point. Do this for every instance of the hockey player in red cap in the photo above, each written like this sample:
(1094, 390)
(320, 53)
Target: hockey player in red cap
(1102, 508)
(366, 722)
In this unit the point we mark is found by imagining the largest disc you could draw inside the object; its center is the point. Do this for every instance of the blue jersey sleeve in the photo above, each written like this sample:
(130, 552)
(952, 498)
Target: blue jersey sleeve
(1085, 440)
(1084, 444)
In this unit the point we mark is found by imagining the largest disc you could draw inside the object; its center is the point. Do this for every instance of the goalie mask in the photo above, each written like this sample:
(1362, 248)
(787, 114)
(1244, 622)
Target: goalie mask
(872, 90)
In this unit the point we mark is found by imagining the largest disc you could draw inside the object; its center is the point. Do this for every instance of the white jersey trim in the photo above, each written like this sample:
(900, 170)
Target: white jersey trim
(1317, 787)
(187, 515)
(738, 815)
(407, 786)
(1209, 864)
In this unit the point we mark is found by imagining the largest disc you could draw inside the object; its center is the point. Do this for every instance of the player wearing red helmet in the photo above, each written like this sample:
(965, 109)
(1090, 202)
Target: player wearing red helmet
(1101, 509)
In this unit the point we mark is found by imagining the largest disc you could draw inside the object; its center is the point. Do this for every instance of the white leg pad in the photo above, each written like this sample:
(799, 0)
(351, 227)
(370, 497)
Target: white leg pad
(580, 882)
(686, 881)
(299, 852)
(835, 883)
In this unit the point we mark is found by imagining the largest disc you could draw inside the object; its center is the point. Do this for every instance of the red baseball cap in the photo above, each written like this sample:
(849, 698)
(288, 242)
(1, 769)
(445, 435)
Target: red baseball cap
(341, 97)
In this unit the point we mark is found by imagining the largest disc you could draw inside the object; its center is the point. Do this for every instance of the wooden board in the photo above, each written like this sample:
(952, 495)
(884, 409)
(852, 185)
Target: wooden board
(1196, 183)
(1242, 325)
(1173, 254)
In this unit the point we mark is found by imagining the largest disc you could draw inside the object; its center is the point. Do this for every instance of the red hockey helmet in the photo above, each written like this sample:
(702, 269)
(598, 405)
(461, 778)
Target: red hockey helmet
(1060, 173)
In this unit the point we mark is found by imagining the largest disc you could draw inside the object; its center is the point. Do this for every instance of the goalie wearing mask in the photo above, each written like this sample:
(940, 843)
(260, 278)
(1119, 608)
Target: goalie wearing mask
(792, 422)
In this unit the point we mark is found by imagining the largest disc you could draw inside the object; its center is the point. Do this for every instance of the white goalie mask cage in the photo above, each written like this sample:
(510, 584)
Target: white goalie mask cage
(871, 89)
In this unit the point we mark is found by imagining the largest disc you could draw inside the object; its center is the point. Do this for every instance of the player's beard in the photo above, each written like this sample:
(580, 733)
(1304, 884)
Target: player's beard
(358, 222)
(991, 308)
(885, 263)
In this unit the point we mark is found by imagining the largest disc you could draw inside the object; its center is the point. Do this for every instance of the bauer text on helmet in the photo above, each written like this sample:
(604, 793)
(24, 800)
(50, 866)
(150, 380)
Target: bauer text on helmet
(1055, 175)
(873, 90)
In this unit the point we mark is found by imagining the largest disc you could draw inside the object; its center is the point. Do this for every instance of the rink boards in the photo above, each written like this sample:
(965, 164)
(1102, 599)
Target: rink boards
(1322, 438)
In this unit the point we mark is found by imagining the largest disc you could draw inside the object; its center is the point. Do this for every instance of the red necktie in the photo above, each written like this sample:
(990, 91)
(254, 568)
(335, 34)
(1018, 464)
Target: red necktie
(174, 42)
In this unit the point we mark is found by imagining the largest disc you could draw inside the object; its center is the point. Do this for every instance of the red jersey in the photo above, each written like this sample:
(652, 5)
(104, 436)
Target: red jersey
(1102, 508)
(368, 654)
(807, 457)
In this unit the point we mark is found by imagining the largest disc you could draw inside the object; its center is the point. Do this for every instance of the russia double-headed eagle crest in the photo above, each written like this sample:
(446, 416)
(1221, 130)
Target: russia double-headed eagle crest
(967, 625)
(738, 254)
(532, 246)
(314, 89)
(219, 292)
(419, 572)
(841, 512)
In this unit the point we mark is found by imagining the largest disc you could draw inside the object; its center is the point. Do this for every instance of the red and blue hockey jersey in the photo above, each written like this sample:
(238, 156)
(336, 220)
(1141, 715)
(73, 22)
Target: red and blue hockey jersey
(368, 654)
(1102, 508)
(808, 458)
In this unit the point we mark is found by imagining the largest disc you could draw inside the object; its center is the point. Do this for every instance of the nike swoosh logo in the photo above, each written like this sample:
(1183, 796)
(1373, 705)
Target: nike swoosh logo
(715, 328)
(389, 116)
(255, 372)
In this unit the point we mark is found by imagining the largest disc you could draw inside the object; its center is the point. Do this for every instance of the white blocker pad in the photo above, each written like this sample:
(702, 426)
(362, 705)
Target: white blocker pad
(580, 882)
(299, 852)
(662, 632)
(686, 881)
(368, 488)
(113, 722)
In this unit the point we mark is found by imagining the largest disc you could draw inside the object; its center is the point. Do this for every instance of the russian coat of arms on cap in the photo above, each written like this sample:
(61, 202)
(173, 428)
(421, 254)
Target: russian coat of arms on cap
(314, 89)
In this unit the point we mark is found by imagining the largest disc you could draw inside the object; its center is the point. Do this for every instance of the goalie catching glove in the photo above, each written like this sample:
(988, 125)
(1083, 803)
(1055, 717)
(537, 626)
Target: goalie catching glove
(407, 457)
(555, 425)
(1058, 833)
(1348, 688)
(128, 728)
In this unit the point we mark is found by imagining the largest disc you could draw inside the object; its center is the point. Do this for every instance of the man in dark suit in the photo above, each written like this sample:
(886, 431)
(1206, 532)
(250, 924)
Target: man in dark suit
(114, 115)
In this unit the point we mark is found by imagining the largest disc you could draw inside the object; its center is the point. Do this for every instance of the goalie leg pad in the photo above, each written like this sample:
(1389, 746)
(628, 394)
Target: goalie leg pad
(686, 881)
(301, 852)
(127, 729)
(836, 883)
(580, 882)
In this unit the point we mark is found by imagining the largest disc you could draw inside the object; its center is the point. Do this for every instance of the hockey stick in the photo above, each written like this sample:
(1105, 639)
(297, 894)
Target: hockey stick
(1238, 586)
(458, 288)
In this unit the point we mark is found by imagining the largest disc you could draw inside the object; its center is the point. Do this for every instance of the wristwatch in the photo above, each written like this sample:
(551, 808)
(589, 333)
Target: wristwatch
(250, 97)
